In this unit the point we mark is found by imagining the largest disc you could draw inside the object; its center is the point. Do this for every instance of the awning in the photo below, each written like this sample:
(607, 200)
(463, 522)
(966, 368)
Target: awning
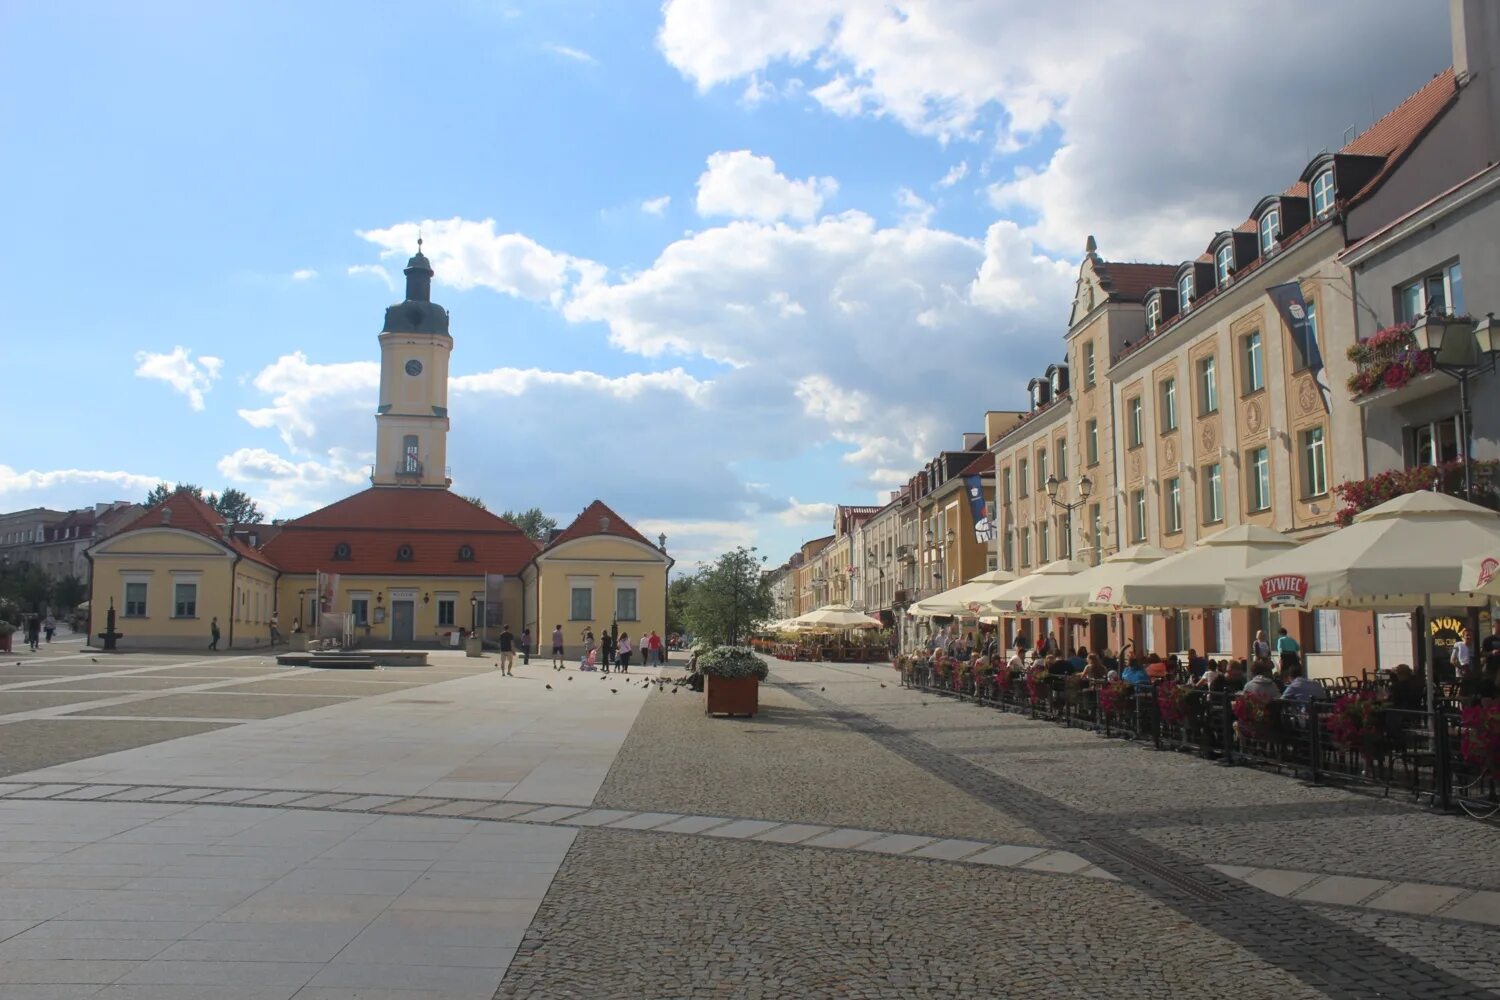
(966, 599)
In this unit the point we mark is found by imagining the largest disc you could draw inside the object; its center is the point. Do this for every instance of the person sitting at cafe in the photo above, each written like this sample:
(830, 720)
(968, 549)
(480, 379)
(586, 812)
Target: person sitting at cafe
(1135, 674)
(1196, 664)
(1093, 667)
(1405, 692)
(1301, 689)
(1260, 682)
(1156, 668)
(1079, 660)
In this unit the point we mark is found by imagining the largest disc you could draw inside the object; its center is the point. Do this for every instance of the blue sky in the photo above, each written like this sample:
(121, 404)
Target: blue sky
(873, 218)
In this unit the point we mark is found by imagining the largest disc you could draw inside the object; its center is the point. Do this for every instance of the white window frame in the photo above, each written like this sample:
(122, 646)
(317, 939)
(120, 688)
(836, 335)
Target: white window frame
(178, 583)
(1060, 447)
(1043, 542)
(1224, 264)
(1091, 442)
(1088, 365)
(1414, 298)
(1328, 632)
(1138, 516)
(1322, 191)
(576, 584)
(1174, 505)
(1185, 292)
(1270, 231)
(1023, 472)
(1208, 385)
(1253, 349)
(127, 580)
(1168, 404)
(1259, 480)
(1153, 313)
(1134, 409)
(1005, 482)
(1041, 469)
(1314, 462)
(359, 606)
(449, 598)
(633, 586)
(1213, 493)
(1026, 545)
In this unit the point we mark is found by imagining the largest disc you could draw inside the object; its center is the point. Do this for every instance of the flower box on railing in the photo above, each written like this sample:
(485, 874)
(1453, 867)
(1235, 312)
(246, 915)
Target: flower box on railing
(1387, 359)
(1359, 495)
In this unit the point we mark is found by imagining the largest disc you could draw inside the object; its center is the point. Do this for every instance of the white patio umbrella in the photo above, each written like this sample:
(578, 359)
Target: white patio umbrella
(1096, 590)
(966, 599)
(835, 618)
(1011, 597)
(1481, 574)
(1405, 553)
(1195, 578)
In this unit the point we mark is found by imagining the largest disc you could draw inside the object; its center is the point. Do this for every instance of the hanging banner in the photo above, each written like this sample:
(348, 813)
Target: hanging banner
(1287, 298)
(979, 508)
(328, 586)
(492, 603)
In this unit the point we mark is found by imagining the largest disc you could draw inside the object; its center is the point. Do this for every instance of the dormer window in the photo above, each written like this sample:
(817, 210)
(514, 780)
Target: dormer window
(1153, 314)
(1270, 231)
(1185, 292)
(341, 551)
(1224, 264)
(403, 554)
(1322, 193)
(466, 553)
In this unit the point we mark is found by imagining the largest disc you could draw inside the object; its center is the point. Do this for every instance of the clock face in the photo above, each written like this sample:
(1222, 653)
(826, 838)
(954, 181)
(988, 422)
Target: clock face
(414, 367)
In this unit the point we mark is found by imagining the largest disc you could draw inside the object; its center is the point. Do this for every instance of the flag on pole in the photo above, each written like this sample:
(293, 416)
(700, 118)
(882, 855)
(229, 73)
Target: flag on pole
(1303, 325)
(979, 508)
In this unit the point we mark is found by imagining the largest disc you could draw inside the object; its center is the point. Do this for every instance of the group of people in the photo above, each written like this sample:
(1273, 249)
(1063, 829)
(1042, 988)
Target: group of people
(35, 627)
(610, 651)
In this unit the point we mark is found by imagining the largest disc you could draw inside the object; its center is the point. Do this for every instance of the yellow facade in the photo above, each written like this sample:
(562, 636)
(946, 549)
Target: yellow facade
(382, 605)
(167, 585)
(625, 582)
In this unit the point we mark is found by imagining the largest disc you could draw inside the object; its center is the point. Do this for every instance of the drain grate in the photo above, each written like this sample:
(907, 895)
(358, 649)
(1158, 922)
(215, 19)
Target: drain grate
(1166, 873)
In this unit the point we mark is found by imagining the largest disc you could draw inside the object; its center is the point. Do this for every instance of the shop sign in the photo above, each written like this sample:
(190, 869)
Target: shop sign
(1289, 588)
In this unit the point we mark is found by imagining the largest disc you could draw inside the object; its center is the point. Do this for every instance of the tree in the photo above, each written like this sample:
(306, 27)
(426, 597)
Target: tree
(728, 597)
(235, 507)
(533, 523)
(27, 585)
(679, 595)
(476, 501)
(69, 592)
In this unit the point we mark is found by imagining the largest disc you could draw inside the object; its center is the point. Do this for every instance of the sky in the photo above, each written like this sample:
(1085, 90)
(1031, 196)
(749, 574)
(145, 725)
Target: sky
(721, 263)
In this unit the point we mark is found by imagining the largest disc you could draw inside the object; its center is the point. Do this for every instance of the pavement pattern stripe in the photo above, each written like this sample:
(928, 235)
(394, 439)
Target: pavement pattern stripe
(1325, 955)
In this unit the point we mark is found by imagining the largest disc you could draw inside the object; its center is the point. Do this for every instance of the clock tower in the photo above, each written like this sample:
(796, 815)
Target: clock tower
(411, 424)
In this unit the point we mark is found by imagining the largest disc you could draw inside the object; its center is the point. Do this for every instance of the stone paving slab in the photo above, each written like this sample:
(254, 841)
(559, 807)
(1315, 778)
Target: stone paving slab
(950, 850)
(1341, 889)
(1006, 856)
(644, 821)
(843, 837)
(1417, 899)
(742, 829)
(792, 833)
(691, 824)
(895, 843)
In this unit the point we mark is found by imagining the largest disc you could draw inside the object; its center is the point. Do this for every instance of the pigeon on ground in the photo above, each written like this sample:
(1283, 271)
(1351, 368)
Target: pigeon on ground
(674, 690)
(614, 690)
(549, 687)
(570, 678)
(92, 660)
(882, 685)
(822, 689)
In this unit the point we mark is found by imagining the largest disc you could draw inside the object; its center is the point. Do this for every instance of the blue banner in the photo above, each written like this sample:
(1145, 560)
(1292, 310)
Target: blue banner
(979, 507)
(1303, 325)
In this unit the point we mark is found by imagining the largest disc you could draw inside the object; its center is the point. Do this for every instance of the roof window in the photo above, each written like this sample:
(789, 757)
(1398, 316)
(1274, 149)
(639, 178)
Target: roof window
(1322, 193)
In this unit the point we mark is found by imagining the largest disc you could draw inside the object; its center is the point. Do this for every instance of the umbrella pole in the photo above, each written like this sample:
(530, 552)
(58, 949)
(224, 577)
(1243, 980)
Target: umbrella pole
(1434, 713)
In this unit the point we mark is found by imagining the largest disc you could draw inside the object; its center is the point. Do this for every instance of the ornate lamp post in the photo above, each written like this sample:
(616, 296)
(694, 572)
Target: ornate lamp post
(1460, 349)
(1085, 490)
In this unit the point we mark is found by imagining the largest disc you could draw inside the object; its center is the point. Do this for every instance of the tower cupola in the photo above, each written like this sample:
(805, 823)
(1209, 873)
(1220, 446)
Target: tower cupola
(419, 277)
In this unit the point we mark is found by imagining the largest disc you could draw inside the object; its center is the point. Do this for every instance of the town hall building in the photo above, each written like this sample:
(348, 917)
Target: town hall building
(406, 562)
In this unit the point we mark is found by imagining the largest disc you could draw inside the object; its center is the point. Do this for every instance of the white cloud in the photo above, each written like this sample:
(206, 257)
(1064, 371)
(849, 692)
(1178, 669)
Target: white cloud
(691, 541)
(285, 487)
(807, 513)
(304, 274)
(915, 210)
(1153, 135)
(520, 381)
(577, 55)
(178, 369)
(955, 173)
(741, 185)
(374, 271)
(296, 384)
(468, 254)
(656, 206)
(92, 480)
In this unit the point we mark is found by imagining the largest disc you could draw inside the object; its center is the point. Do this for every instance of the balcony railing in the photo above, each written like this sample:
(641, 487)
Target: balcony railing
(1358, 495)
(408, 467)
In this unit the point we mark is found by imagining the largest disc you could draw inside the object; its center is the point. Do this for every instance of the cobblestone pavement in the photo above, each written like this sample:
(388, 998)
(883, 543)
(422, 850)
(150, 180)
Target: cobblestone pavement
(777, 928)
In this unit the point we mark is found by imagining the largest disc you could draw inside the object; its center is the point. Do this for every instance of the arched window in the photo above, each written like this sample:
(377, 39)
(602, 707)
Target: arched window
(1153, 313)
(466, 553)
(341, 550)
(1322, 193)
(403, 554)
(410, 464)
(1185, 292)
(1270, 230)
(1224, 264)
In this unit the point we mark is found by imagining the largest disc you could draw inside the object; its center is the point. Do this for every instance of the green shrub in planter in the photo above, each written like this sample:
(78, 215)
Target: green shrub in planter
(732, 663)
(6, 628)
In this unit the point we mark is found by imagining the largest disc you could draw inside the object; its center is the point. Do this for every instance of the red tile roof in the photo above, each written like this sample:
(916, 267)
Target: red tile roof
(984, 463)
(1131, 282)
(1394, 135)
(377, 522)
(191, 514)
(598, 519)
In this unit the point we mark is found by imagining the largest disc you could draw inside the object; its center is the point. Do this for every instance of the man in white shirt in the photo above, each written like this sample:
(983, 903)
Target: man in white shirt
(1460, 656)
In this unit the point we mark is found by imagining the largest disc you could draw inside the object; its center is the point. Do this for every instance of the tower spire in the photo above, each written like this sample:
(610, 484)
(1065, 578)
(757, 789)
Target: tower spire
(418, 276)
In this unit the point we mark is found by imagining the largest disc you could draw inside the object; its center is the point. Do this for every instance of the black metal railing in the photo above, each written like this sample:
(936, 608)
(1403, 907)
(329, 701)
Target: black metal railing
(1380, 749)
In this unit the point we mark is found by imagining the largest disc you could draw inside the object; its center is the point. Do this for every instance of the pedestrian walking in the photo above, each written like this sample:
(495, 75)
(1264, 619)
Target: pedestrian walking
(213, 630)
(655, 647)
(49, 627)
(557, 647)
(33, 631)
(507, 651)
(526, 645)
(275, 630)
(622, 652)
(606, 650)
(1288, 651)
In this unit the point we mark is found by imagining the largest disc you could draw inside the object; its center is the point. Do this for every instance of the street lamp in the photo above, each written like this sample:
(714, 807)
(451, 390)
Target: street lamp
(473, 614)
(1085, 490)
(1460, 349)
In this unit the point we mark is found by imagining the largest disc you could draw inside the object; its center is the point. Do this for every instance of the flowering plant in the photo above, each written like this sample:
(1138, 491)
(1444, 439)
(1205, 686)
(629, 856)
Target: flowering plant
(1359, 495)
(1116, 697)
(1355, 722)
(1038, 684)
(1173, 701)
(733, 663)
(1004, 680)
(1387, 359)
(1252, 713)
(1481, 741)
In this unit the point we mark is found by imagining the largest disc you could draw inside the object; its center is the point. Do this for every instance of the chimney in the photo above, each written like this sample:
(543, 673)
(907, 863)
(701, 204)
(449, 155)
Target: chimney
(1475, 27)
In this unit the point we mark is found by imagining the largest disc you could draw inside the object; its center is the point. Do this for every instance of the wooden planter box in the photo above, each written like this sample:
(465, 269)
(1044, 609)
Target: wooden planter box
(739, 696)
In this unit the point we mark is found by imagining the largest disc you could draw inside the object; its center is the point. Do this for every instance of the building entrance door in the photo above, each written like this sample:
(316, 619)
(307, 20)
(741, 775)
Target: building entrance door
(402, 615)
